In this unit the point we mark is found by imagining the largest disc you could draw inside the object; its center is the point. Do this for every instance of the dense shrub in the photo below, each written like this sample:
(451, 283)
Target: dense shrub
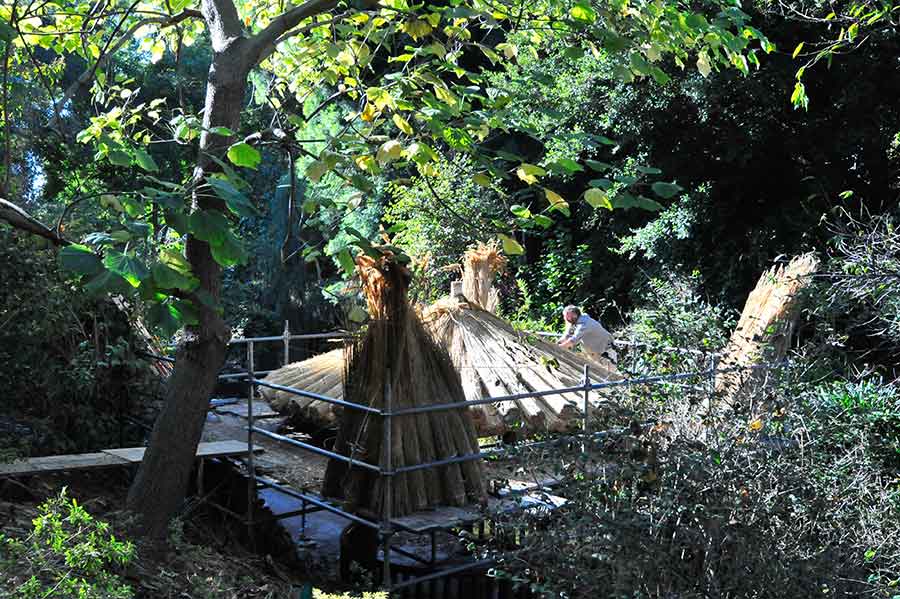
(71, 374)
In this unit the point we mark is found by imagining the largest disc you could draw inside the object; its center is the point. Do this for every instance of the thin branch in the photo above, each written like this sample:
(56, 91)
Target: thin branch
(263, 43)
(21, 220)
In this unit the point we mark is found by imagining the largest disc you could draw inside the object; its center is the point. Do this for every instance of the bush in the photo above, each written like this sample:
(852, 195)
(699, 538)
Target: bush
(69, 554)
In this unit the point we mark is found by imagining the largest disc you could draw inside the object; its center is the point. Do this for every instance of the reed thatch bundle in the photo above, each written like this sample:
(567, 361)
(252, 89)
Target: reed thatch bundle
(397, 355)
(322, 374)
(766, 326)
(495, 360)
(480, 264)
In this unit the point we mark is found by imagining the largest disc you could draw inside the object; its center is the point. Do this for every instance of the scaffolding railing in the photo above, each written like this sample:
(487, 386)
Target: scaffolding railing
(386, 525)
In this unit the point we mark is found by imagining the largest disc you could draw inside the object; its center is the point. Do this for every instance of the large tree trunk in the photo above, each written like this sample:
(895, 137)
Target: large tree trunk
(162, 480)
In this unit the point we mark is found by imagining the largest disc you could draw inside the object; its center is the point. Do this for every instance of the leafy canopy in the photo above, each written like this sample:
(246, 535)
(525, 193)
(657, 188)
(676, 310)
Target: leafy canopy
(412, 81)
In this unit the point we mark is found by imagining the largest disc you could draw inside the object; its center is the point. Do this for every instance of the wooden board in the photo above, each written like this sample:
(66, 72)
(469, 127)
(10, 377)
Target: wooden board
(61, 463)
(261, 410)
(445, 518)
(213, 449)
(111, 457)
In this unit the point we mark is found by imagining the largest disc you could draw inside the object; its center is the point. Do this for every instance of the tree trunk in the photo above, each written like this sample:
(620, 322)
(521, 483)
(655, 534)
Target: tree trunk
(159, 488)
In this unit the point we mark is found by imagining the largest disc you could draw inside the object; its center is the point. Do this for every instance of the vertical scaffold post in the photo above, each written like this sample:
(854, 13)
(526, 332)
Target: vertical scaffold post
(251, 466)
(387, 474)
(711, 392)
(585, 445)
(287, 343)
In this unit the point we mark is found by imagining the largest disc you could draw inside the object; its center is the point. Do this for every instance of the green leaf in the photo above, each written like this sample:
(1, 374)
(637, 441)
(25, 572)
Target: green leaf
(797, 50)
(648, 170)
(119, 157)
(107, 282)
(597, 199)
(243, 154)
(542, 220)
(598, 166)
(389, 151)
(210, 226)
(557, 202)
(165, 318)
(520, 211)
(80, 259)
(510, 246)
(236, 201)
(846, 195)
(604, 184)
(128, 267)
(346, 261)
(230, 252)
(529, 173)
(165, 277)
(223, 131)
(583, 13)
(175, 260)
(145, 161)
(570, 165)
(358, 314)
(315, 170)
(665, 190)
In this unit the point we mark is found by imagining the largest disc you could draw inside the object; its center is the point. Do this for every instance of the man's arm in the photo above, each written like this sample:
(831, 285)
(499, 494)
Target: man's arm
(572, 337)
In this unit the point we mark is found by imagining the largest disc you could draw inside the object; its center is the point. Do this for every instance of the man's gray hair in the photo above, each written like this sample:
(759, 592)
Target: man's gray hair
(572, 309)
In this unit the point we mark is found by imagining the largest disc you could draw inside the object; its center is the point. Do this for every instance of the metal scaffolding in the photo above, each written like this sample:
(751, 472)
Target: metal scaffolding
(387, 526)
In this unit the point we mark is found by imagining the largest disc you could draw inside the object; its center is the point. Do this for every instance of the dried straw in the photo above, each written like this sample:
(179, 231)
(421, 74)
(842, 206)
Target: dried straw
(766, 327)
(396, 351)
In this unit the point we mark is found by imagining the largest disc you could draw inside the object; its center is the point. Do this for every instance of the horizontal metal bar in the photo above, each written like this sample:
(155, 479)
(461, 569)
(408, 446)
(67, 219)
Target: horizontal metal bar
(325, 398)
(484, 400)
(410, 555)
(445, 462)
(443, 573)
(316, 501)
(314, 449)
(156, 357)
(242, 375)
(332, 335)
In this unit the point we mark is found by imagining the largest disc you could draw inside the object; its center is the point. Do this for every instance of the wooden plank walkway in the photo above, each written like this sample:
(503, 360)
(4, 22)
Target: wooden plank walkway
(109, 458)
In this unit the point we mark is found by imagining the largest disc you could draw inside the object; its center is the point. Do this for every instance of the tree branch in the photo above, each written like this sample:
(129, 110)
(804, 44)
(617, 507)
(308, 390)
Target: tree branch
(264, 42)
(223, 22)
(21, 220)
(88, 75)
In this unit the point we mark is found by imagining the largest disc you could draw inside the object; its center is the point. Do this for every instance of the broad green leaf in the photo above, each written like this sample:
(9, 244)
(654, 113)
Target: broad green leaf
(175, 260)
(358, 314)
(510, 246)
(80, 259)
(243, 154)
(210, 226)
(107, 282)
(482, 179)
(315, 170)
(119, 157)
(648, 170)
(542, 220)
(402, 124)
(597, 199)
(598, 166)
(557, 202)
(665, 190)
(145, 161)
(570, 165)
(128, 267)
(236, 201)
(530, 173)
(583, 13)
(520, 211)
(703, 64)
(346, 261)
(164, 318)
(389, 151)
(230, 252)
(165, 277)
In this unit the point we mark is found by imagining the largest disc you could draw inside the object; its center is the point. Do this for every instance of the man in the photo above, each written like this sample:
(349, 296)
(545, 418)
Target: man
(583, 329)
